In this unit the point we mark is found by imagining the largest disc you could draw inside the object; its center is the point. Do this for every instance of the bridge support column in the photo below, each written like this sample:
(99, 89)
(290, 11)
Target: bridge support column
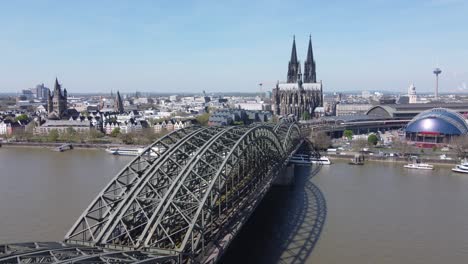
(286, 176)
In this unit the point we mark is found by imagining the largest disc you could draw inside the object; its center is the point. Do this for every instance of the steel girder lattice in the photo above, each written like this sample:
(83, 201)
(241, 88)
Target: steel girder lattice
(189, 192)
(52, 252)
(89, 225)
(214, 190)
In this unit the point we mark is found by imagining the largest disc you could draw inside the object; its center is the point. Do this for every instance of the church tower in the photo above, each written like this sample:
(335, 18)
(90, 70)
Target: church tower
(57, 102)
(118, 104)
(310, 75)
(293, 68)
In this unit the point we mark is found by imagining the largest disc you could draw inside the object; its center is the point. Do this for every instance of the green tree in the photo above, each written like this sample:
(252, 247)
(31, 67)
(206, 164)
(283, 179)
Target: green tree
(126, 138)
(149, 135)
(203, 119)
(30, 127)
(94, 134)
(403, 147)
(115, 132)
(22, 118)
(372, 139)
(70, 134)
(53, 135)
(305, 116)
(359, 144)
(320, 140)
(459, 146)
(348, 134)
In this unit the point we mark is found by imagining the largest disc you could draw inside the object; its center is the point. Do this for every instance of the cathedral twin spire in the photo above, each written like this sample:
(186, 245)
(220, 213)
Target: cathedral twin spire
(294, 68)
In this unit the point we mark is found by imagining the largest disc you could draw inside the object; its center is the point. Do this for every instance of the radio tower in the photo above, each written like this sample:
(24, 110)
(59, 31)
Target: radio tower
(437, 71)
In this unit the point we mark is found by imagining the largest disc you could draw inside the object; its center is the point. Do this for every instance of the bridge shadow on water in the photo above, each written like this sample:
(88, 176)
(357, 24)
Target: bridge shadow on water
(286, 225)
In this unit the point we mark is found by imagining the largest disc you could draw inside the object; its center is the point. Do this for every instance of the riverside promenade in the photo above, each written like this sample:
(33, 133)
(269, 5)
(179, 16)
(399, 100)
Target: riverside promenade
(75, 145)
(426, 159)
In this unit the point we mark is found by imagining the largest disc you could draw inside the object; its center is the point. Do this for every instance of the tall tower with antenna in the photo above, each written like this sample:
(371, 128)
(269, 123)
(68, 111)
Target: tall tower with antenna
(437, 71)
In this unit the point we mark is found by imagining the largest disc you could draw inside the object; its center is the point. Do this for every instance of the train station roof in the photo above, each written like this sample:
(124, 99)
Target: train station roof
(405, 111)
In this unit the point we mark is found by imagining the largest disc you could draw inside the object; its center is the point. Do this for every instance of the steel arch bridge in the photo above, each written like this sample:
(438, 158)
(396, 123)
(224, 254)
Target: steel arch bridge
(183, 199)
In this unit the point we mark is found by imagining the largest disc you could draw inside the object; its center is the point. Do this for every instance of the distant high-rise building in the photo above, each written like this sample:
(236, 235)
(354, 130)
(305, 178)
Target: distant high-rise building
(41, 91)
(57, 102)
(298, 96)
(27, 94)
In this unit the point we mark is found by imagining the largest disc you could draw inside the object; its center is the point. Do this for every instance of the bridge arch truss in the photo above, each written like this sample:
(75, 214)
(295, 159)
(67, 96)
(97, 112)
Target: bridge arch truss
(188, 193)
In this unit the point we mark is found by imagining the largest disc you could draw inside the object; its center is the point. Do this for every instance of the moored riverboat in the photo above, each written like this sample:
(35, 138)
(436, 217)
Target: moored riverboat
(125, 151)
(461, 168)
(419, 166)
(306, 159)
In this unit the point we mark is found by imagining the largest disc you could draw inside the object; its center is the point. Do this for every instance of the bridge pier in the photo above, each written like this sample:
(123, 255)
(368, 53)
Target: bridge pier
(286, 176)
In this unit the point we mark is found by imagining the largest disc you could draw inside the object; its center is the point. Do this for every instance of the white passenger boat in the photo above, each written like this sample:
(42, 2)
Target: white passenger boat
(419, 166)
(306, 159)
(156, 151)
(462, 168)
(125, 151)
(445, 157)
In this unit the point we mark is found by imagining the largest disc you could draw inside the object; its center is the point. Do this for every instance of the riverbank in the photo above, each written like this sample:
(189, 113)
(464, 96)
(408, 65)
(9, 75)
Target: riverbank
(393, 159)
(75, 145)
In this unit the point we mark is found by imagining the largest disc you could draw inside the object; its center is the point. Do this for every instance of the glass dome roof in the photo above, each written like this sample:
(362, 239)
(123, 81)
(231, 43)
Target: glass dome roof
(438, 120)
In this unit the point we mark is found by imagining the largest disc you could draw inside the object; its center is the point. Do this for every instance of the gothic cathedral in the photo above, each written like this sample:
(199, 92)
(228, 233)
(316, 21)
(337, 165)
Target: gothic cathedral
(300, 95)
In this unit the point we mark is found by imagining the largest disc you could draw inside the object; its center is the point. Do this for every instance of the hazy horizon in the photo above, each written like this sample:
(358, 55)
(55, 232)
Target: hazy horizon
(167, 47)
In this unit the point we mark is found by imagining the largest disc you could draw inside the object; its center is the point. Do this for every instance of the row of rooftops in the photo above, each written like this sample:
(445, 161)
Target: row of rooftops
(228, 116)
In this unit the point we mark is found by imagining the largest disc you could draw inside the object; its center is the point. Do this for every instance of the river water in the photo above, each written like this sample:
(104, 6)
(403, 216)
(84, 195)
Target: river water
(376, 213)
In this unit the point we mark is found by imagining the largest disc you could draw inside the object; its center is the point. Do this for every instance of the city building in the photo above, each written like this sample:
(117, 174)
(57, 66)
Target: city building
(41, 92)
(226, 117)
(9, 127)
(300, 95)
(57, 102)
(169, 125)
(435, 126)
(27, 94)
(365, 94)
(62, 126)
(412, 94)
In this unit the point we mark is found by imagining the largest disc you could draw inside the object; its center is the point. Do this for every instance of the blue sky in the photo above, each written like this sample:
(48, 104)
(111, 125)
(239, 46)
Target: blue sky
(221, 46)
